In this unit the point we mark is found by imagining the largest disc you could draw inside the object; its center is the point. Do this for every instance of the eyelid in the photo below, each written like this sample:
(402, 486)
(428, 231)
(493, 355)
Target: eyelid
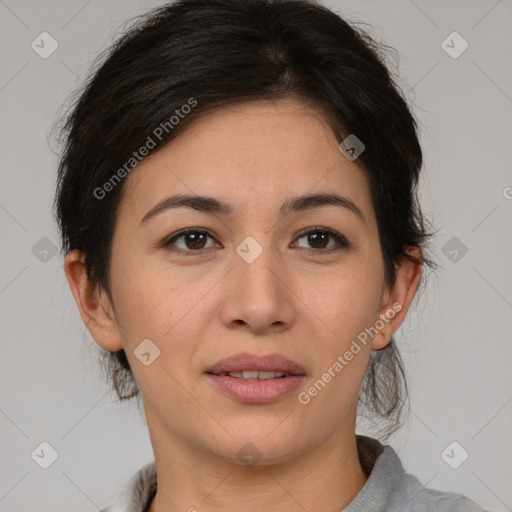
(343, 243)
(168, 241)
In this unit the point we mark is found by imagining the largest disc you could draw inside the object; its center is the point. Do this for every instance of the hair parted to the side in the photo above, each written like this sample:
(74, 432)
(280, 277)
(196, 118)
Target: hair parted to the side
(224, 51)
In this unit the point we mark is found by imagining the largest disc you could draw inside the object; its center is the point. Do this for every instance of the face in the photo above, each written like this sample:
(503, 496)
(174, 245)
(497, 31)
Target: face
(266, 275)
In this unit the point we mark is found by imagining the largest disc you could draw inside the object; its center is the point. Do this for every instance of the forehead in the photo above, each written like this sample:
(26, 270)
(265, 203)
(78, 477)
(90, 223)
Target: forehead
(248, 153)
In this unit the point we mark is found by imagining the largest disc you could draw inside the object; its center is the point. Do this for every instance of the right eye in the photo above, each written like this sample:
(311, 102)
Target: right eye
(193, 242)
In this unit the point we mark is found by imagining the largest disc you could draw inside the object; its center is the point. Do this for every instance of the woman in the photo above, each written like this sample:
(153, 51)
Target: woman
(237, 203)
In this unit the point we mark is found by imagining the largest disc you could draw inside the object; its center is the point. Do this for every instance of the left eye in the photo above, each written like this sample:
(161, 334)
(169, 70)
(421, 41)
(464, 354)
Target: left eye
(319, 237)
(194, 241)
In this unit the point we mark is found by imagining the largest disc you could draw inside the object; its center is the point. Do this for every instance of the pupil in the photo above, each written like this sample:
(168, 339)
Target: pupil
(194, 237)
(314, 239)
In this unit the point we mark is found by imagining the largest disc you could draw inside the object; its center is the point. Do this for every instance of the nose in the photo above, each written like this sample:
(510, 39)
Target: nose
(256, 294)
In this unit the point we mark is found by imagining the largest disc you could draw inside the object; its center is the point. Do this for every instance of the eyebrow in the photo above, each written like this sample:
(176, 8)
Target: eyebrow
(211, 205)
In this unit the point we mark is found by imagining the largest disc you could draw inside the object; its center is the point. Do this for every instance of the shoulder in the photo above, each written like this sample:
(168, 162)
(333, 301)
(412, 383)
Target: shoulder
(411, 494)
(137, 492)
(390, 488)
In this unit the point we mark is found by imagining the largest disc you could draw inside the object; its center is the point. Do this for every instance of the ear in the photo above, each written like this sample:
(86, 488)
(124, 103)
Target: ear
(398, 297)
(93, 303)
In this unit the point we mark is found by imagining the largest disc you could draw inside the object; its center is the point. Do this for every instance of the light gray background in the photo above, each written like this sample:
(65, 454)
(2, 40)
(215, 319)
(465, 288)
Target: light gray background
(456, 345)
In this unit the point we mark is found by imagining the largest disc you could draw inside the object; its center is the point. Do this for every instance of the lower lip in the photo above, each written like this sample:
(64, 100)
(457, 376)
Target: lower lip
(256, 391)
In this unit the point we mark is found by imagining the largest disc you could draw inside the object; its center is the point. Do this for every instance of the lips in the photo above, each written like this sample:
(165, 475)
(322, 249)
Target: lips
(253, 379)
(253, 363)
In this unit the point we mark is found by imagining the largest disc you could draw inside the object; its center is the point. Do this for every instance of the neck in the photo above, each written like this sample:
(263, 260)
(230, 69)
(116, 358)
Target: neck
(325, 477)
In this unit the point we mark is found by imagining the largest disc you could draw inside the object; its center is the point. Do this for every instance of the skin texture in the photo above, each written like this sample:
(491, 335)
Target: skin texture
(199, 309)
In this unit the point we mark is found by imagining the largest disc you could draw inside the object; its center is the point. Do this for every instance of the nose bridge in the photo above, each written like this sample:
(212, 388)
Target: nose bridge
(257, 264)
(256, 293)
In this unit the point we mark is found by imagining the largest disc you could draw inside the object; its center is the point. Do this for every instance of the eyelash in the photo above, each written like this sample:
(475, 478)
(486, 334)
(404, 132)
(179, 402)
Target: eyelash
(342, 241)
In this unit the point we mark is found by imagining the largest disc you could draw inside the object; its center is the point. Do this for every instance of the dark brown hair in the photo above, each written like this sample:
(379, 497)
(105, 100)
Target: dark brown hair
(218, 52)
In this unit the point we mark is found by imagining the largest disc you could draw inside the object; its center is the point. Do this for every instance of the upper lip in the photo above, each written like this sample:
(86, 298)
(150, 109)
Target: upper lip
(247, 362)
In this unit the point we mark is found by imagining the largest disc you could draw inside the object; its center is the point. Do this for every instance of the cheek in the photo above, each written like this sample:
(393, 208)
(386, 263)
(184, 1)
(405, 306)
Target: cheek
(347, 308)
(144, 311)
(148, 303)
(349, 301)
(160, 306)
(155, 310)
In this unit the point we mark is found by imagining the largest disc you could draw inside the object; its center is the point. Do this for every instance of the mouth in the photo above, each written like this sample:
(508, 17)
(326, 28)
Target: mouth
(256, 379)
(253, 366)
(253, 375)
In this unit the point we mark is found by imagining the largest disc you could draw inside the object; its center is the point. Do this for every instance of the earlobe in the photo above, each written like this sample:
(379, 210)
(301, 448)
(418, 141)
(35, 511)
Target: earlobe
(398, 298)
(93, 304)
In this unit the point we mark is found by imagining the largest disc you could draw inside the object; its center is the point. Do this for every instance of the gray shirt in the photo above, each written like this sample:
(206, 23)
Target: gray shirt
(388, 489)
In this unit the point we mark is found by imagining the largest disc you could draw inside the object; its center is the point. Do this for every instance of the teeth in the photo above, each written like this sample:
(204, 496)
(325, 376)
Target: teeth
(253, 375)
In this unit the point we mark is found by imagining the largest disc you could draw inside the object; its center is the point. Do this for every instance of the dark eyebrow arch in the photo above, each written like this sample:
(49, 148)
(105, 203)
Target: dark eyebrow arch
(210, 205)
(308, 201)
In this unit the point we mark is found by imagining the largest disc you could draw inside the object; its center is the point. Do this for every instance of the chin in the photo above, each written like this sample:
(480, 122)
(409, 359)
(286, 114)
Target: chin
(259, 446)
